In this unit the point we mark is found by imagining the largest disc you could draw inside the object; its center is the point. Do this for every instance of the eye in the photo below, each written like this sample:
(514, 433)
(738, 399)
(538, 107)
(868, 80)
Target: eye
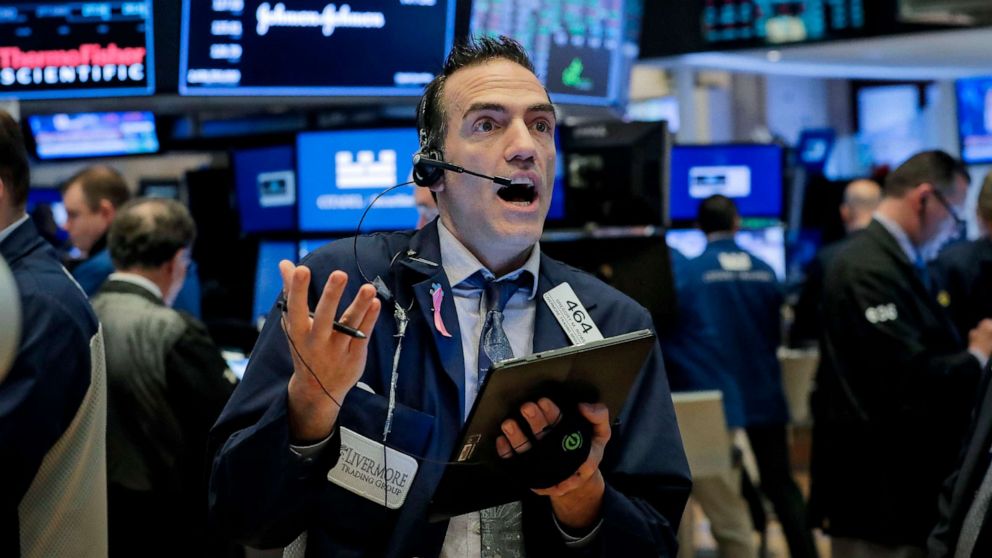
(484, 125)
(543, 126)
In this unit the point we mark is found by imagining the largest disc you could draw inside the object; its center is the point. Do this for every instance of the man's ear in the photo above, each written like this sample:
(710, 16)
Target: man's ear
(920, 195)
(3, 191)
(107, 210)
(437, 187)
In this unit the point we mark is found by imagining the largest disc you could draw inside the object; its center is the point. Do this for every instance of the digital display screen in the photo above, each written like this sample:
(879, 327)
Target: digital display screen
(265, 180)
(93, 134)
(51, 49)
(751, 175)
(341, 172)
(268, 281)
(581, 49)
(975, 119)
(768, 244)
(779, 21)
(303, 47)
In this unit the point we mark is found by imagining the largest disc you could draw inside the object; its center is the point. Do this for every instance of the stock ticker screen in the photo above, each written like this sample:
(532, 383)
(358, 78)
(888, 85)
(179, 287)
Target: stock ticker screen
(300, 47)
(779, 21)
(581, 48)
(56, 49)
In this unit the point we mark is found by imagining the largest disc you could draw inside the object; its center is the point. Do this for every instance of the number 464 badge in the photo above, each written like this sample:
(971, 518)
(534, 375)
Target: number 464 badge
(572, 315)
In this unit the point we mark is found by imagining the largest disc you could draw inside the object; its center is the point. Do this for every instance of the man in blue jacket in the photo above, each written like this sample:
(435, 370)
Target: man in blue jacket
(739, 296)
(53, 403)
(309, 389)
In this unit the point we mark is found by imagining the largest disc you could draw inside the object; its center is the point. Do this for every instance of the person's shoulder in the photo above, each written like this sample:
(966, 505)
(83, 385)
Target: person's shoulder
(341, 253)
(48, 291)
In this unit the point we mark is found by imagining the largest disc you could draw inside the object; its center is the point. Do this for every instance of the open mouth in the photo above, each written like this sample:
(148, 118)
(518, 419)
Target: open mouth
(521, 192)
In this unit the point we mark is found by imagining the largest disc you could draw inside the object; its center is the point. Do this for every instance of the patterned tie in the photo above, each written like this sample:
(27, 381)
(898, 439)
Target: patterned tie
(500, 527)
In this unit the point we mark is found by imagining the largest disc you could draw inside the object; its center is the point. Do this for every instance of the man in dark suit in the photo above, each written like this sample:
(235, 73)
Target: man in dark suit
(310, 390)
(964, 270)
(965, 528)
(896, 384)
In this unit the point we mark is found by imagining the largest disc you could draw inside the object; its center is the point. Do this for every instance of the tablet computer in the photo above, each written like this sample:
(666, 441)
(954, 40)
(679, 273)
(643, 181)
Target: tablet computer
(598, 371)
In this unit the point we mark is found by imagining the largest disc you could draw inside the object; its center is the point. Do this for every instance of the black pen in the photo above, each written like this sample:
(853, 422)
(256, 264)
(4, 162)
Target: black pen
(338, 326)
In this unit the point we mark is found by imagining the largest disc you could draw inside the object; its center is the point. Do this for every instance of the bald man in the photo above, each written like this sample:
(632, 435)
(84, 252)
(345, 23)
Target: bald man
(861, 199)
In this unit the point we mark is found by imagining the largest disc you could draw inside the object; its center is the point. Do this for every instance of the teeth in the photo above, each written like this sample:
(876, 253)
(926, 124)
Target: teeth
(523, 181)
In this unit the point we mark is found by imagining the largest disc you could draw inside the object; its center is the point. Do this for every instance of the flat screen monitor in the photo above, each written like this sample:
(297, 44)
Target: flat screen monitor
(361, 47)
(93, 134)
(46, 209)
(767, 243)
(166, 188)
(975, 119)
(59, 50)
(814, 147)
(616, 173)
(265, 180)
(341, 172)
(268, 281)
(751, 175)
(582, 51)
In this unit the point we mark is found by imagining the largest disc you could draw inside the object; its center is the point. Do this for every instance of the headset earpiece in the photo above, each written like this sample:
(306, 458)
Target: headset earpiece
(424, 174)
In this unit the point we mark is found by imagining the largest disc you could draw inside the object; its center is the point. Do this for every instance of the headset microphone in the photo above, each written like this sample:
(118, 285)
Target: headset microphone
(420, 161)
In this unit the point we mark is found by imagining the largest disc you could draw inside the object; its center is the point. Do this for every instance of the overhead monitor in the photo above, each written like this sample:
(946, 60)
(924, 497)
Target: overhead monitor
(70, 49)
(93, 134)
(268, 281)
(616, 173)
(975, 119)
(814, 147)
(356, 48)
(582, 51)
(340, 172)
(767, 243)
(265, 179)
(749, 174)
(780, 21)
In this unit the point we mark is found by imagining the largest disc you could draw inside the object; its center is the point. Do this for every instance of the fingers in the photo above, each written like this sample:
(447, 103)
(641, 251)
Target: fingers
(295, 281)
(327, 305)
(517, 439)
(599, 415)
(356, 314)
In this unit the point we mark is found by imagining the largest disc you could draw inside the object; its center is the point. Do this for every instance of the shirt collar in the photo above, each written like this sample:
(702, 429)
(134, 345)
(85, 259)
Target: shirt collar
(10, 228)
(135, 279)
(459, 263)
(900, 235)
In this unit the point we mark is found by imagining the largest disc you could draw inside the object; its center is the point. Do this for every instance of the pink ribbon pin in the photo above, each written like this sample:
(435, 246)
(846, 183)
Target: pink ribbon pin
(437, 294)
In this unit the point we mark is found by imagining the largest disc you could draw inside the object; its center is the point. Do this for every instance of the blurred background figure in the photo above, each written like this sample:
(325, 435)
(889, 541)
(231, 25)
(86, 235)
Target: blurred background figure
(964, 270)
(861, 198)
(167, 383)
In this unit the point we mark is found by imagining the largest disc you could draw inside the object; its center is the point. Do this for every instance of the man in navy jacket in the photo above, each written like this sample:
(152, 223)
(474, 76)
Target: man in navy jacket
(53, 403)
(739, 297)
(278, 437)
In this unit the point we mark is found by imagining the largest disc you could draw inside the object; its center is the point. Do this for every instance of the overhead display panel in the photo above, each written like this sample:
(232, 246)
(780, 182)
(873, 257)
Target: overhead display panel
(581, 48)
(52, 49)
(779, 21)
(303, 47)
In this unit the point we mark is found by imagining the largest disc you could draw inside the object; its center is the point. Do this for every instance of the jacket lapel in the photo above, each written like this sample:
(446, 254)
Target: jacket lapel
(424, 258)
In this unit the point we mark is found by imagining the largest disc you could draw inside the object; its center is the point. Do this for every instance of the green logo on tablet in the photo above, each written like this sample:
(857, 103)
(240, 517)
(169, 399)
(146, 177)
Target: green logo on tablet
(572, 442)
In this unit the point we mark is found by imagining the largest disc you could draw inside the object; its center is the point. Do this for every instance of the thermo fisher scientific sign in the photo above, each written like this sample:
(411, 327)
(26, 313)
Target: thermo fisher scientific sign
(51, 50)
(306, 47)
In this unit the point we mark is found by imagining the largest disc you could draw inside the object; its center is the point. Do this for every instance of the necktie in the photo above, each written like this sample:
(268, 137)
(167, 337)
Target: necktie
(500, 527)
(923, 272)
(971, 528)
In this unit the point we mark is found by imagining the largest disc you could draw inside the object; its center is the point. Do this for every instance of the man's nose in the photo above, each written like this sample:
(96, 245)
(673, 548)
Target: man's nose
(520, 142)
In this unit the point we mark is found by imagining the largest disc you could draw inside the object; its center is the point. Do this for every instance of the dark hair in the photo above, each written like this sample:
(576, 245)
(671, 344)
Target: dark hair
(100, 182)
(14, 170)
(717, 214)
(147, 232)
(936, 167)
(431, 121)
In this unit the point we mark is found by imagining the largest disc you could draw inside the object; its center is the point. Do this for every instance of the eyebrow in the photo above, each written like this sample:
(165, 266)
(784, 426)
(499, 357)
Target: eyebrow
(496, 107)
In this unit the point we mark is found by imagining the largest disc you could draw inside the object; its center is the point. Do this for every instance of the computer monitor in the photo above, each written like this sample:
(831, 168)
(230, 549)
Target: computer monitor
(364, 48)
(46, 209)
(814, 147)
(767, 243)
(749, 174)
(60, 49)
(340, 172)
(616, 173)
(268, 281)
(582, 52)
(975, 119)
(265, 180)
(93, 134)
(167, 188)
